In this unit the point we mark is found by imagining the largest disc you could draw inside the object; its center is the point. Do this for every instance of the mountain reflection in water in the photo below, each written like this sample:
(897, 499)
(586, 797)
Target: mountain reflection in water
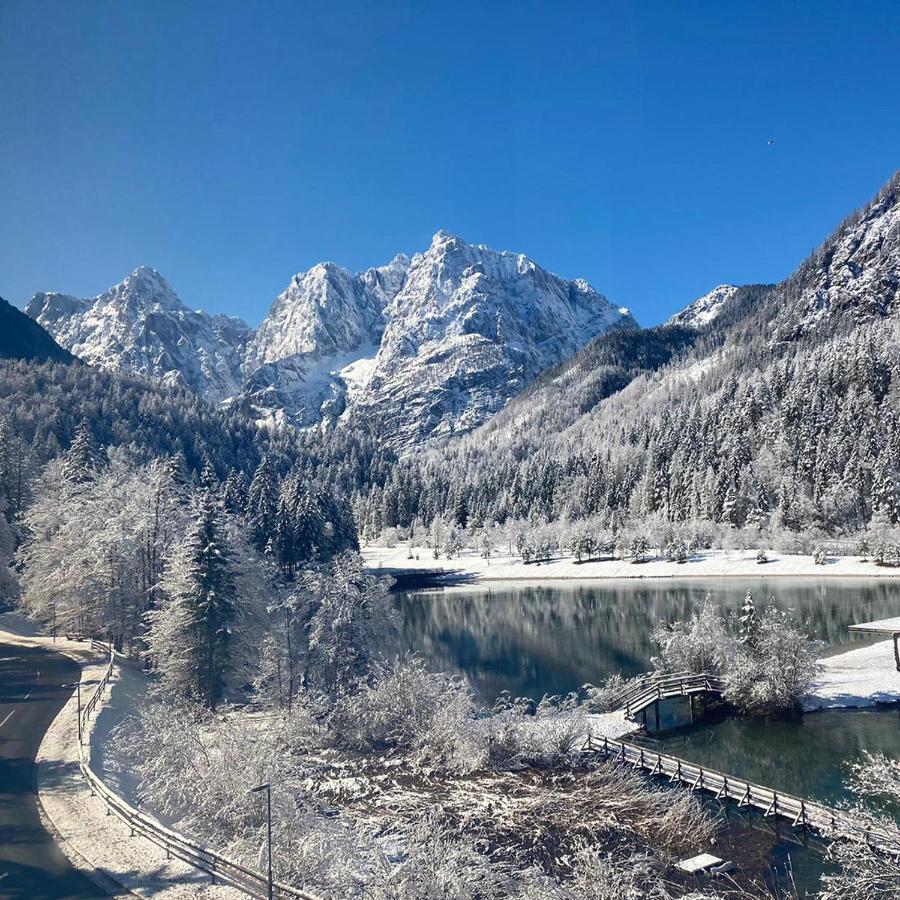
(552, 637)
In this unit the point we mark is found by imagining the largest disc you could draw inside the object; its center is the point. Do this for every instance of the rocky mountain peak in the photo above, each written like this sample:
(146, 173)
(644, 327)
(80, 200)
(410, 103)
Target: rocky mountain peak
(424, 346)
(704, 309)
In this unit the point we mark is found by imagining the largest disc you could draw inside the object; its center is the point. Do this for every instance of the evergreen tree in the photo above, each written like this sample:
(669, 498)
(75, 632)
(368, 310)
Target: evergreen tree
(234, 495)
(308, 525)
(262, 504)
(209, 481)
(191, 635)
(83, 460)
(749, 622)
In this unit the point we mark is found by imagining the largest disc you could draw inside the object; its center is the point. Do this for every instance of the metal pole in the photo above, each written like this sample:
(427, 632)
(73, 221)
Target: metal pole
(78, 689)
(268, 789)
(269, 806)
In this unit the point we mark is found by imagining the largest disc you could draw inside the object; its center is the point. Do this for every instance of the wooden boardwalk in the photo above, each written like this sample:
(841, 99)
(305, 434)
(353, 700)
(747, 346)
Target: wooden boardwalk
(799, 812)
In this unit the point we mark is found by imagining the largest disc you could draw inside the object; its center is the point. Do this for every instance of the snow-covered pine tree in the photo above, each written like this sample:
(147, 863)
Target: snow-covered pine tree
(885, 493)
(262, 504)
(209, 480)
(84, 458)
(191, 638)
(283, 539)
(234, 495)
(749, 621)
(308, 524)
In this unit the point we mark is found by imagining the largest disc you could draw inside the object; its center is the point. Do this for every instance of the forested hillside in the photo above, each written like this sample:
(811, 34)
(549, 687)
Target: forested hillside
(23, 338)
(781, 413)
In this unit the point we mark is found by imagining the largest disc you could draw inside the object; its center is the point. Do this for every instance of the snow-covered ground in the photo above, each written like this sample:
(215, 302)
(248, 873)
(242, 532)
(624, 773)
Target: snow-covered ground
(861, 677)
(705, 564)
(92, 840)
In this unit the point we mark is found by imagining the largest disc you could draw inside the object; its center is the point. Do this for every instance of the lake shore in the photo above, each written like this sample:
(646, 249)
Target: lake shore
(472, 567)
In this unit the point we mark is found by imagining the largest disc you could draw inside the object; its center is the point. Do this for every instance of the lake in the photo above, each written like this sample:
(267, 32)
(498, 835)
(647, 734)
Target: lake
(552, 637)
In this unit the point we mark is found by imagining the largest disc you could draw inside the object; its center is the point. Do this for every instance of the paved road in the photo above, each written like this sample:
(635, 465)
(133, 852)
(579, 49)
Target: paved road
(31, 694)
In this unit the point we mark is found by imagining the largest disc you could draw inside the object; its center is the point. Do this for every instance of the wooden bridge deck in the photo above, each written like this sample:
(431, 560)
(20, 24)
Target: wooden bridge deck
(830, 823)
(651, 689)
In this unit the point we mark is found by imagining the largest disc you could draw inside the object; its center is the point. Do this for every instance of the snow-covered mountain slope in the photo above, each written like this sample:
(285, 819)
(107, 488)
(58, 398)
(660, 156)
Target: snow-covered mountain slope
(703, 310)
(419, 349)
(313, 350)
(854, 276)
(141, 327)
(469, 328)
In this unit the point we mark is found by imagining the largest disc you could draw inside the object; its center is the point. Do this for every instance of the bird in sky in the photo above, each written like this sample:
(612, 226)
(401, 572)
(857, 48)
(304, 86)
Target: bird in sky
(771, 141)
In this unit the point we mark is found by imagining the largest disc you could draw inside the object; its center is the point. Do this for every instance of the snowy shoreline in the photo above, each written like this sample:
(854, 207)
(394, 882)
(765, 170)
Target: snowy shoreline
(471, 566)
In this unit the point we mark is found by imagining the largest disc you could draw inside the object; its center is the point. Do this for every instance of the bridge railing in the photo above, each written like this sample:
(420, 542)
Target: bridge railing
(218, 867)
(646, 689)
(829, 822)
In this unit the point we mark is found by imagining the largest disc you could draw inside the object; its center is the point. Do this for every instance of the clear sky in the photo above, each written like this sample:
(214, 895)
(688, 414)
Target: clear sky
(230, 145)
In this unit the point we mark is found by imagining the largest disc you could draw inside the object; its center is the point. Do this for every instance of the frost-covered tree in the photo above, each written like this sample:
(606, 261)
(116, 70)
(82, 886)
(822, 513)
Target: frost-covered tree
(84, 458)
(352, 624)
(702, 643)
(262, 504)
(749, 621)
(863, 873)
(193, 637)
(9, 586)
(95, 547)
(774, 671)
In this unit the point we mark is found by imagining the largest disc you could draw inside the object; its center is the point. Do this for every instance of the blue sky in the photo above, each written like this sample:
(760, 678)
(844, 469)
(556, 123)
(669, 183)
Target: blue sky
(230, 145)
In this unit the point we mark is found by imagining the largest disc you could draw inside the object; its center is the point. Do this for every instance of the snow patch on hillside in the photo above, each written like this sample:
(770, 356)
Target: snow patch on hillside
(705, 309)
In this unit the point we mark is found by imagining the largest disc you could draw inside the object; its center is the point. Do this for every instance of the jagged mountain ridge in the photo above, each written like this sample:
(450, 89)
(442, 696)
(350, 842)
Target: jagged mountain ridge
(853, 278)
(421, 348)
(140, 326)
(781, 410)
(705, 309)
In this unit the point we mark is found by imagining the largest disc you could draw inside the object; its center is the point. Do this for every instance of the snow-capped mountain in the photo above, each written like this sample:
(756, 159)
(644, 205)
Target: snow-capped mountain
(326, 325)
(706, 308)
(141, 327)
(420, 348)
(855, 274)
(469, 328)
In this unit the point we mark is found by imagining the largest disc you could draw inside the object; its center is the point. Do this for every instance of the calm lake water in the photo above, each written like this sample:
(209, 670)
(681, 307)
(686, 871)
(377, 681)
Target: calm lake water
(806, 757)
(552, 637)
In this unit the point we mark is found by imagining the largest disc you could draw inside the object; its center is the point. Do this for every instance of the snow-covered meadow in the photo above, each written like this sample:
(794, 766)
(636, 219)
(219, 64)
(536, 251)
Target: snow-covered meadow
(501, 566)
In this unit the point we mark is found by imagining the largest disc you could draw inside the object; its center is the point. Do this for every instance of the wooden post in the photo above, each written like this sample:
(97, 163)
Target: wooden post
(656, 710)
(897, 649)
(691, 701)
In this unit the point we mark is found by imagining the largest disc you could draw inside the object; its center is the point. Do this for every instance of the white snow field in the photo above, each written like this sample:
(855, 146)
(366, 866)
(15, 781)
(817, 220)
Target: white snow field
(857, 678)
(92, 840)
(705, 564)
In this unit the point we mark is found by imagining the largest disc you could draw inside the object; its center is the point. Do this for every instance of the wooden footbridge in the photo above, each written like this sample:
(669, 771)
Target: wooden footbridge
(651, 688)
(799, 812)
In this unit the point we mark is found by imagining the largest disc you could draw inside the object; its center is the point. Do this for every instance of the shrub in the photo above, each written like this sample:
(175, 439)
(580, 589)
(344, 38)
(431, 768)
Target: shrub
(701, 644)
(773, 672)
(406, 707)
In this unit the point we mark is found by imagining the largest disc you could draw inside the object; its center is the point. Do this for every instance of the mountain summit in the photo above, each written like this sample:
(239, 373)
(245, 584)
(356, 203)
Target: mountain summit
(140, 326)
(422, 348)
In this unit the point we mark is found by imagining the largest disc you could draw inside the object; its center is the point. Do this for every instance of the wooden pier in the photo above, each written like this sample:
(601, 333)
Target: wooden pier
(799, 812)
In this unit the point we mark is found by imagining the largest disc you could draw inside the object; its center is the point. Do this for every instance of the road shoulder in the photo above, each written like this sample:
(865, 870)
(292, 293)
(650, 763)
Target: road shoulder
(95, 842)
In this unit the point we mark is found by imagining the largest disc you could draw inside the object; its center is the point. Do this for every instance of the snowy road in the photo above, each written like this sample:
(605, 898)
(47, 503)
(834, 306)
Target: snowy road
(31, 694)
